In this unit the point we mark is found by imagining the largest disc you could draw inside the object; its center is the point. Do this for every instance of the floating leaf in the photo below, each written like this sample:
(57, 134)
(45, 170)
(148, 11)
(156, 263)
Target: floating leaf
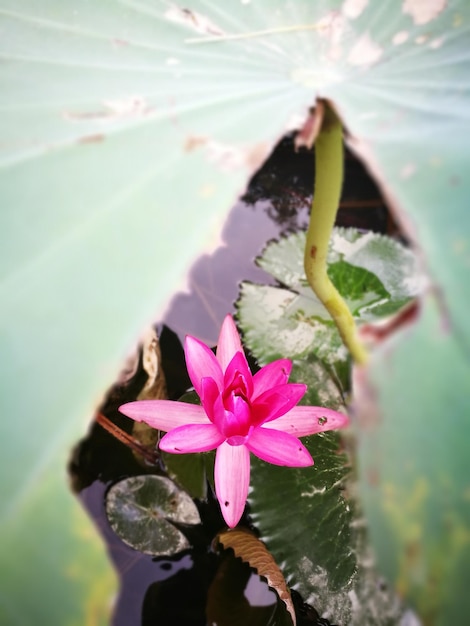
(362, 289)
(374, 274)
(251, 550)
(389, 274)
(318, 536)
(303, 517)
(138, 509)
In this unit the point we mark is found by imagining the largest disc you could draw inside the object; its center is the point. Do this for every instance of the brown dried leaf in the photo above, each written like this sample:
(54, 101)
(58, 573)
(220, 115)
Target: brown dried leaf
(309, 131)
(230, 602)
(253, 551)
(155, 387)
(196, 21)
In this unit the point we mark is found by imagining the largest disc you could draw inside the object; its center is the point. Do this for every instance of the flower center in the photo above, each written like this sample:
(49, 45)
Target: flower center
(237, 386)
(237, 421)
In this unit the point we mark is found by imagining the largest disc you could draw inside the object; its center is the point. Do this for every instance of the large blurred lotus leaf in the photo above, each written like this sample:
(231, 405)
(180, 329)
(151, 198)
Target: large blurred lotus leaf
(140, 510)
(122, 142)
(414, 471)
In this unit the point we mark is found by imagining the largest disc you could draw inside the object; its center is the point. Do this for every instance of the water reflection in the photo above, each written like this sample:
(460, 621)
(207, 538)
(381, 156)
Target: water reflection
(214, 278)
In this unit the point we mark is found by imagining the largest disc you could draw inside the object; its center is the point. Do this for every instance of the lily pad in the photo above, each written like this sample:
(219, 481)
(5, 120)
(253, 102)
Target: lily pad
(139, 510)
(304, 516)
(301, 513)
(389, 277)
(375, 274)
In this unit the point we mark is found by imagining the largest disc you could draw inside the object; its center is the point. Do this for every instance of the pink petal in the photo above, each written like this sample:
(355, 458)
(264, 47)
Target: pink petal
(229, 343)
(218, 413)
(238, 367)
(164, 414)
(191, 438)
(279, 448)
(271, 375)
(236, 422)
(232, 478)
(277, 401)
(308, 420)
(210, 394)
(201, 363)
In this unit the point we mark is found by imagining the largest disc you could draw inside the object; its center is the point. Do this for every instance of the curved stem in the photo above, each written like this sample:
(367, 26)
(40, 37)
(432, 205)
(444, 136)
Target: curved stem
(328, 181)
(150, 455)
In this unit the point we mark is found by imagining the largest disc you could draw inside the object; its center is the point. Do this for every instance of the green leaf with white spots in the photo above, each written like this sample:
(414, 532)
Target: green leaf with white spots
(324, 551)
(312, 529)
(390, 275)
(140, 510)
(310, 523)
(375, 275)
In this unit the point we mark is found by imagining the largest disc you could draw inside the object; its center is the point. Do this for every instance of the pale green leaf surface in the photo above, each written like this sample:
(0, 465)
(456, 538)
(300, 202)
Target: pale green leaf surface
(418, 503)
(93, 132)
(70, 556)
(98, 102)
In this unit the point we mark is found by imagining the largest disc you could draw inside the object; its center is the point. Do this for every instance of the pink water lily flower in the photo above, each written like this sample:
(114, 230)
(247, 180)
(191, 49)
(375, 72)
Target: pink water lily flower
(240, 413)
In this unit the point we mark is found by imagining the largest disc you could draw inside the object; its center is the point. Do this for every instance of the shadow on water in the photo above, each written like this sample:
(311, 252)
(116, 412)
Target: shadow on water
(175, 590)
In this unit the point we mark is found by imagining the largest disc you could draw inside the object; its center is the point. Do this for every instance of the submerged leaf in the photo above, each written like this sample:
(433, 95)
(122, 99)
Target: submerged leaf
(251, 550)
(138, 509)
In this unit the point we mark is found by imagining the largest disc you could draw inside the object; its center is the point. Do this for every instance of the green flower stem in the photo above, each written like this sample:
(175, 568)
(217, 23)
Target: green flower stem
(328, 182)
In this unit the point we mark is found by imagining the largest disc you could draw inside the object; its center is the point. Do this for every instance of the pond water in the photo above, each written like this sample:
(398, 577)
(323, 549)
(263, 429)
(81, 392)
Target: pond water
(174, 590)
